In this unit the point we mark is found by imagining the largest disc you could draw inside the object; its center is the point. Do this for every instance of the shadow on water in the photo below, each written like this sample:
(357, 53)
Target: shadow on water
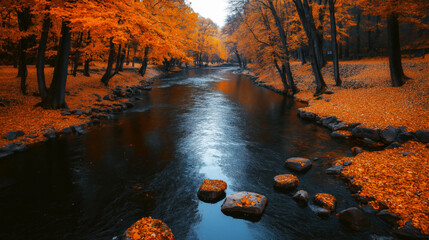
(151, 160)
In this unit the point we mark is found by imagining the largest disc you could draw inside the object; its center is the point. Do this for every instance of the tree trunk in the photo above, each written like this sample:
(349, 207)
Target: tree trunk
(394, 50)
(128, 55)
(77, 54)
(134, 57)
(88, 59)
(24, 22)
(57, 90)
(41, 58)
(282, 75)
(301, 55)
(107, 75)
(238, 58)
(306, 17)
(334, 43)
(86, 68)
(283, 39)
(358, 34)
(118, 60)
(143, 68)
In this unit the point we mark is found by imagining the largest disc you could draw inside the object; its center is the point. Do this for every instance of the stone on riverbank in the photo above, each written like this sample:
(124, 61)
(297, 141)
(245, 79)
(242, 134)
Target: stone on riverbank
(13, 135)
(389, 134)
(246, 205)
(301, 197)
(356, 150)
(388, 216)
(423, 136)
(355, 219)
(286, 182)
(148, 228)
(212, 190)
(363, 132)
(326, 201)
(298, 164)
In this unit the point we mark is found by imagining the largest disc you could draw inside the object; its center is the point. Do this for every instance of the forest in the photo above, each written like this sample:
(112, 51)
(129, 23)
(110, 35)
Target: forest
(356, 69)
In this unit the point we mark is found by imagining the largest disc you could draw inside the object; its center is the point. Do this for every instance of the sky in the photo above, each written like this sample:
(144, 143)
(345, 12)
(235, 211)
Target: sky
(213, 9)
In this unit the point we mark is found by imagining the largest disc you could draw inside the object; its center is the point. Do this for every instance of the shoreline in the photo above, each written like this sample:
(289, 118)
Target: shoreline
(386, 144)
(85, 109)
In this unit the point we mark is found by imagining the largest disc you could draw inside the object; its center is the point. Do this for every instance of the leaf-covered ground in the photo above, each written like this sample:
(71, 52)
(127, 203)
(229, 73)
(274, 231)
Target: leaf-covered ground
(22, 114)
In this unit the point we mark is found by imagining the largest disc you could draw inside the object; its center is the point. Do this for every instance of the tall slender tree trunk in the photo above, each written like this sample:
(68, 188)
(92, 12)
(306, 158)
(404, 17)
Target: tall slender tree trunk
(76, 57)
(358, 33)
(41, 58)
(128, 55)
(237, 54)
(282, 74)
(57, 90)
(306, 17)
(107, 75)
(88, 59)
(134, 56)
(283, 39)
(334, 43)
(319, 33)
(301, 55)
(24, 23)
(394, 49)
(118, 60)
(143, 68)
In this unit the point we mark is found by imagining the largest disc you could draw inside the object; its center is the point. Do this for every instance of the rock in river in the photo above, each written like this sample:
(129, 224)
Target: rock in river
(13, 135)
(212, 190)
(298, 164)
(247, 205)
(326, 201)
(148, 228)
(286, 182)
(335, 170)
(355, 219)
(301, 197)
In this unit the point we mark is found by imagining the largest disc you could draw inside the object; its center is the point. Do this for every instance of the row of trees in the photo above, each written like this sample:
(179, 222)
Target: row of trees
(270, 32)
(75, 32)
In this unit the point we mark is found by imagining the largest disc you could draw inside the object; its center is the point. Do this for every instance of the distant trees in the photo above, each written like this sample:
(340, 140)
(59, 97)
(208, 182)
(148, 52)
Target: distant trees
(270, 32)
(81, 31)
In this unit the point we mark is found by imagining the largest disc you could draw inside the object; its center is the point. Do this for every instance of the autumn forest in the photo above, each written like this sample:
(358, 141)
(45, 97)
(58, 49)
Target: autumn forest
(127, 119)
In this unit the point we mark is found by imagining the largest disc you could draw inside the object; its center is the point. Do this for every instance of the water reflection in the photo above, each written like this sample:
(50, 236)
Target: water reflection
(151, 160)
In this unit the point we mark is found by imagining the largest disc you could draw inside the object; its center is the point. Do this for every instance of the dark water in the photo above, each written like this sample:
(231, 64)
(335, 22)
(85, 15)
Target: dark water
(194, 125)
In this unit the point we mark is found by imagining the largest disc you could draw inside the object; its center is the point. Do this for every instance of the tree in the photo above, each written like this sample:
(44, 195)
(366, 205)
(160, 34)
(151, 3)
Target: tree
(306, 16)
(394, 12)
(334, 45)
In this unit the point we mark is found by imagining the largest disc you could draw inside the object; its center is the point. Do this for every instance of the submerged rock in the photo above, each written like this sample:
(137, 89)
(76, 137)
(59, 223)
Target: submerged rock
(246, 205)
(212, 190)
(355, 219)
(335, 170)
(298, 164)
(301, 197)
(286, 182)
(326, 201)
(410, 232)
(148, 228)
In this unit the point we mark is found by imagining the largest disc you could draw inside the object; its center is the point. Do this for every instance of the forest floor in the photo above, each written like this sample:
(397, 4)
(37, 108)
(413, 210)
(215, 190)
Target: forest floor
(392, 179)
(19, 112)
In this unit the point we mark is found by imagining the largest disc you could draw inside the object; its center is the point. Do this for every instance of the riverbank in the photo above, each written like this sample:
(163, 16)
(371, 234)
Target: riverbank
(87, 98)
(394, 178)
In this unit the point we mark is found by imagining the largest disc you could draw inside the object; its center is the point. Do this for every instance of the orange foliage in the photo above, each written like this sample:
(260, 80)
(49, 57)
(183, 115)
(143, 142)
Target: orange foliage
(149, 229)
(213, 185)
(399, 182)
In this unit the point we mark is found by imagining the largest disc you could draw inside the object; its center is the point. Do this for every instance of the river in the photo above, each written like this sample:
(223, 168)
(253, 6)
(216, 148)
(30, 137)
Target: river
(150, 161)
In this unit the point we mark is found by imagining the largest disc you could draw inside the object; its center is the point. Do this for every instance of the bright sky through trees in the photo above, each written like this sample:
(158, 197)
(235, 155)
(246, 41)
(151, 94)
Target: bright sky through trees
(213, 9)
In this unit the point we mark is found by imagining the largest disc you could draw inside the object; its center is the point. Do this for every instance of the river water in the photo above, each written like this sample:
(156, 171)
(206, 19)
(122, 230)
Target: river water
(150, 161)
